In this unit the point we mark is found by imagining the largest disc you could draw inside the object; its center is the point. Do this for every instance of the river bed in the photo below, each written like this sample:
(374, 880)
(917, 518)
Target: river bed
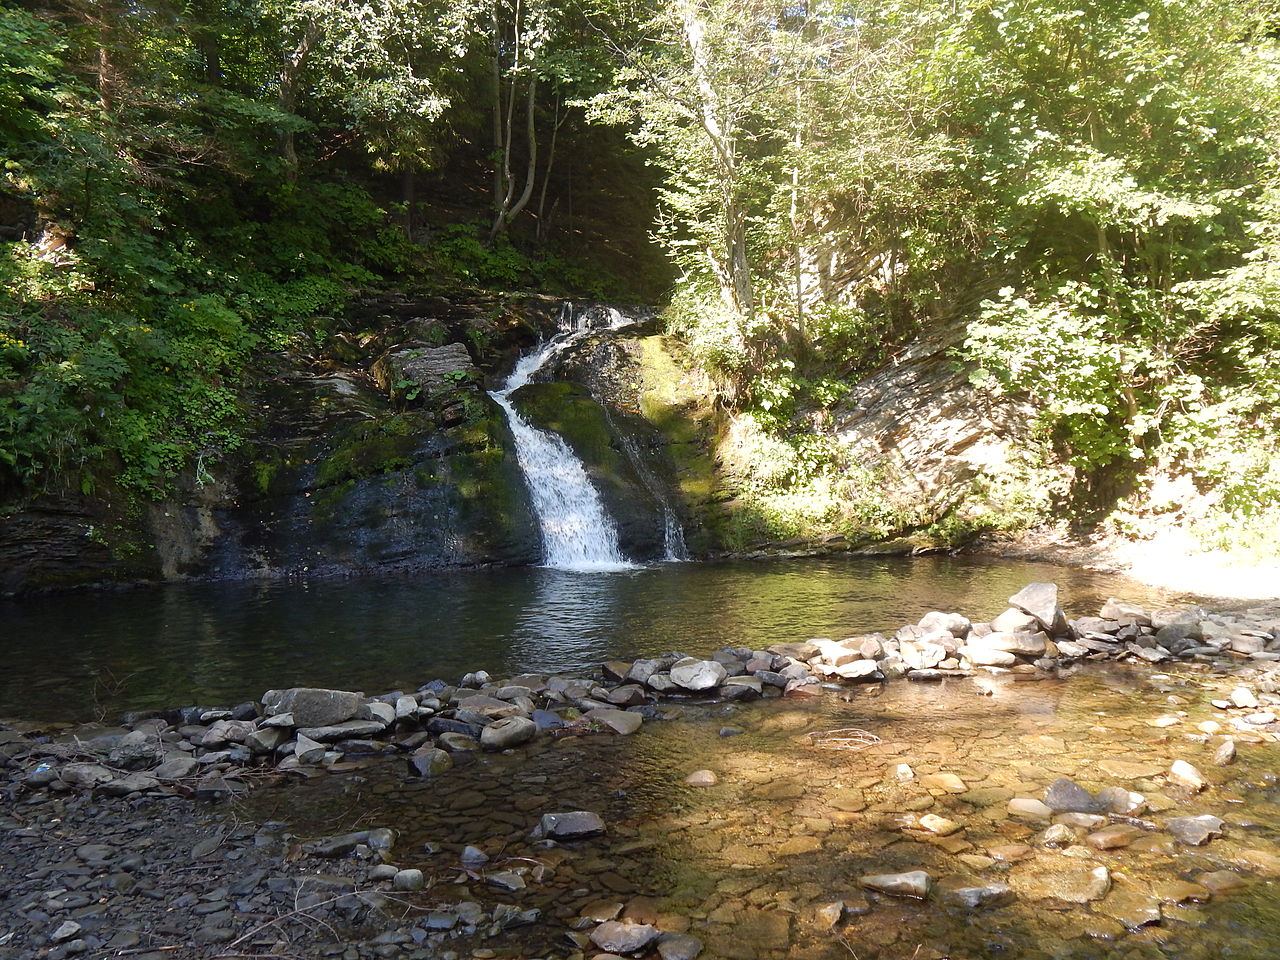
(751, 865)
(747, 864)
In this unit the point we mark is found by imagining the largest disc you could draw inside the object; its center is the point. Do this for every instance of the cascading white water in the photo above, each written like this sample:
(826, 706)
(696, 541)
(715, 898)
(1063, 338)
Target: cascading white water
(577, 534)
(673, 545)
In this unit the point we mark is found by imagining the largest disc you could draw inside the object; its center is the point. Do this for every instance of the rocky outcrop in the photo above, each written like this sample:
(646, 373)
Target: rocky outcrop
(662, 419)
(344, 469)
(928, 426)
(420, 370)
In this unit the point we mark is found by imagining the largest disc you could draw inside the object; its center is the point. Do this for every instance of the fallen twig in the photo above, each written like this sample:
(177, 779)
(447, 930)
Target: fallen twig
(845, 738)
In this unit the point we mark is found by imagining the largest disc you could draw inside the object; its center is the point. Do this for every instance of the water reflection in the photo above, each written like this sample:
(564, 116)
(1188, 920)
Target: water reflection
(74, 656)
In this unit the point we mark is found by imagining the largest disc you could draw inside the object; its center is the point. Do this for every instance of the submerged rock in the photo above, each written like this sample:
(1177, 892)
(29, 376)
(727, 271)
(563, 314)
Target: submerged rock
(914, 883)
(1195, 831)
(617, 936)
(619, 721)
(569, 826)
(678, 946)
(980, 897)
(430, 762)
(1067, 796)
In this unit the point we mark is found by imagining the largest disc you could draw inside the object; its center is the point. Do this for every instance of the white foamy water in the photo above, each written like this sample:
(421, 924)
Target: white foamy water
(577, 533)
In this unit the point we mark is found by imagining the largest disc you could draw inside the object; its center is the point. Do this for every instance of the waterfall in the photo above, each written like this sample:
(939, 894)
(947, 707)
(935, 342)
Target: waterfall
(673, 545)
(577, 534)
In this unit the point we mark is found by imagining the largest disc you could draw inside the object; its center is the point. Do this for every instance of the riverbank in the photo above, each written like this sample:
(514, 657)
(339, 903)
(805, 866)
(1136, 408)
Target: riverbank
(94, 869)
(1171, 560)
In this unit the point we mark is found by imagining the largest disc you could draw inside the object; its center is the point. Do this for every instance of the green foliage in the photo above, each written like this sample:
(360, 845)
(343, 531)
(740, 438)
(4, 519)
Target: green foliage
(462, 251)
(163, 249)
(1106, 166)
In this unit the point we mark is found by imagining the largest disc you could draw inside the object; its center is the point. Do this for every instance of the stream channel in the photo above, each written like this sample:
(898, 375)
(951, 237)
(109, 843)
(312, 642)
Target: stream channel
(747, 864)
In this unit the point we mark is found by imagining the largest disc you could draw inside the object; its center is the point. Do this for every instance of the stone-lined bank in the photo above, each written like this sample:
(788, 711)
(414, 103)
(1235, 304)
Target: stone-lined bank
(211, 752)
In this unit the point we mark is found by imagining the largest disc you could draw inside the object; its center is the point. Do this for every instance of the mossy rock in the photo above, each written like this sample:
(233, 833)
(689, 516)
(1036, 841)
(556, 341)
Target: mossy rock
(374, 447)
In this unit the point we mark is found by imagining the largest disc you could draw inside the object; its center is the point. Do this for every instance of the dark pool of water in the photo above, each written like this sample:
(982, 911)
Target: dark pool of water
(95, 654)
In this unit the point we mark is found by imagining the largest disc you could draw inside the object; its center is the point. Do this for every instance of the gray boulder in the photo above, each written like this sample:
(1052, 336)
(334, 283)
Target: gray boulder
(135, 751)
(508, 732)
(1067, 796)
(85, 776)
(618, 937)
(697, 675)
(430, 762)
(1040, 600)
(313, 706)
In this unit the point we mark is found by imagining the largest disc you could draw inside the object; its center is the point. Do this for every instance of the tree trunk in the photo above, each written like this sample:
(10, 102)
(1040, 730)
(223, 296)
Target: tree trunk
(497, 112)
(734, 267)
(509, 208)
(408, 191)
(207, 43)
(288, 96)
(558, 121)
(105, 80)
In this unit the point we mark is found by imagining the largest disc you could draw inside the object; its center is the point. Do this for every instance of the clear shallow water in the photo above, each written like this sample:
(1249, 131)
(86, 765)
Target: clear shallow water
(745, 864)
(94, 654)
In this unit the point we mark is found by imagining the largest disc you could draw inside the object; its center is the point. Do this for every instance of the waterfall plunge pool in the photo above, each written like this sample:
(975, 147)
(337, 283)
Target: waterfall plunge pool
(95, 654)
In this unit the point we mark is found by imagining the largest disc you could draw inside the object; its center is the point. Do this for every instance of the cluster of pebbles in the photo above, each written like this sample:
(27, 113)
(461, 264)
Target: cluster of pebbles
(213, 753)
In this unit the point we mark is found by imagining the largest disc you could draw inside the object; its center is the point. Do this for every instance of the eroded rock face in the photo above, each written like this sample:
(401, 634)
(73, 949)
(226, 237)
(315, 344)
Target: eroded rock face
(423, 370)
(931, 430)
(336, 475)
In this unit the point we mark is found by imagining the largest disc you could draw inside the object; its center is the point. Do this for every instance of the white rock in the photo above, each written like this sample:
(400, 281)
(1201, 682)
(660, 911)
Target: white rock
(1185, 775)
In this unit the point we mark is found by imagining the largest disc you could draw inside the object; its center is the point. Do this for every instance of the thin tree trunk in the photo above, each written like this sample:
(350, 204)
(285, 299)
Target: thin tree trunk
(497, 112)
(531, 168)
(104, 78)
(288, 97)
(797, 248)
(510, 206)
(507, 136)
(735, 270)
(408, 191)
(558, 121)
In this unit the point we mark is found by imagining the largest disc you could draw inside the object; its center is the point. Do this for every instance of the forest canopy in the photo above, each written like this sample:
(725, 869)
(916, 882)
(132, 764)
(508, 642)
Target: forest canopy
(1084, 193)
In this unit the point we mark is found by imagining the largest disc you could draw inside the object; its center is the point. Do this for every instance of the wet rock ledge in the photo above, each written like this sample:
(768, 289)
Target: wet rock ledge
(214, 753)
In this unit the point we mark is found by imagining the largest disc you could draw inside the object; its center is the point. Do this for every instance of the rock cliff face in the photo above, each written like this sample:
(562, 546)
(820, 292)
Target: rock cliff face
(378, 450)
(930, 431)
